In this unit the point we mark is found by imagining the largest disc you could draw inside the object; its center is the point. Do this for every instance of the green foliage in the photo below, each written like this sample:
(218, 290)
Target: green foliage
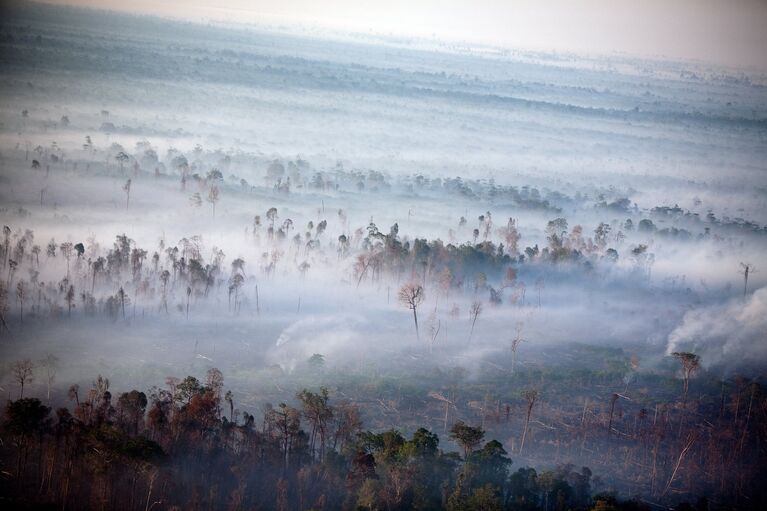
(468, 437)
(492, 464)
(109, 440)
(316, 361)
(26, 417)
(187, 388)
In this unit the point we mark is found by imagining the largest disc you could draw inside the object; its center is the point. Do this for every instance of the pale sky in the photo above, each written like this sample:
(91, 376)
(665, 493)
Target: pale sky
(730, 32)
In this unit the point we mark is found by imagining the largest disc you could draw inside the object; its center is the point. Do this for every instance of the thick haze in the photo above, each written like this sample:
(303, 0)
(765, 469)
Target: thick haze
(727, 32)
(277, 186)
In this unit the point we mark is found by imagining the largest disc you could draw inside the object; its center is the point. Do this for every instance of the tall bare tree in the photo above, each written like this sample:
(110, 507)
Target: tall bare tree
(49, 365)
(164, 278)
(434, 327)
(20, 295)
(531, 396)
(411, 295)
(214, 194)
(474, 312)
(746, 269)
(23, 372)
(515, 344)
(67, 248)
(126, 189)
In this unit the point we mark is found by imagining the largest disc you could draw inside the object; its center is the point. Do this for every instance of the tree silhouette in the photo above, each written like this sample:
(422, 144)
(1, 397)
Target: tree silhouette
(286, 422)
(164, 278)
(6, 244)
(746, 269)
(690, 365)
(474, 312)
(411, 295)
(25, 419)
(318, 412)
(434, 328)
(50, 365)
(213, 197)
(121, 158)
(20, 295)
(121, 296)
(126, 189)
(515, 344)
(70, 298)
(271, 215)
(66, 249)
(229, 398)
(613, 400)
(531, 396)
(23, 373)
(468, 437)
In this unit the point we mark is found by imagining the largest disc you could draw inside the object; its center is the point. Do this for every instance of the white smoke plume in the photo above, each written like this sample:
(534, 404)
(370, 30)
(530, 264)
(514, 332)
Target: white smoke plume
(730, 334)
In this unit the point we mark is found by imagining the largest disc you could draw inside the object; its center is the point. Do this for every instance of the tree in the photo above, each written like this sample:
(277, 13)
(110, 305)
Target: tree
(531, 396)
(187, 388)
(613, 400)
(49, 365)
(434, 327)
(50, 249)
(74, 393)
(164, 278)
(318, 412)
(25, 419)
(3, 305)
(468, 437)
(126, 189)
(411, 295)
(271, 215)
(317, 361)
(690, 365)
(474, 312)
(493, 463)
(132, 406)
(746, 270)
(215, 175)
(214, 194)
(20, 292)
(23, 373)
(6, 244)
(235, 283)
(25, 416)
(121, 295)
(229, 398)
(121, 158)
(97, 267)
(70, 298)
(66, 250)
(36, 252)
(12, 265)
(188, 296)
(285, 421)
(214, 381)
(601, 233)
(511, 236)
(515, 344)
